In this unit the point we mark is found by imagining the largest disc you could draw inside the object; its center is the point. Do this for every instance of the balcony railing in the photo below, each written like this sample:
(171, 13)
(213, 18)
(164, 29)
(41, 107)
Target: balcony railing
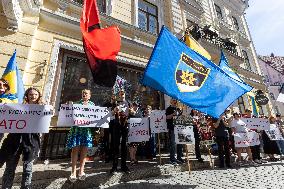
(212, 37)
(101, 4)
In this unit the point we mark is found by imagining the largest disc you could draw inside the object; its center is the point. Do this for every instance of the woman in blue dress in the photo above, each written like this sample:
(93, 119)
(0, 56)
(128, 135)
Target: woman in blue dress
(80, 139)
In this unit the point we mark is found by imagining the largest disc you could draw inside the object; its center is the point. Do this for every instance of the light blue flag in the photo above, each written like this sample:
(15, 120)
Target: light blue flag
(224, 65)
(183, 74)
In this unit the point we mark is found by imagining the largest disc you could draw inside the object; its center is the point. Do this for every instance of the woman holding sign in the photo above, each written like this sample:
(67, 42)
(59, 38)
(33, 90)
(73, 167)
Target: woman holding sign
(80, 139)
(25, 144)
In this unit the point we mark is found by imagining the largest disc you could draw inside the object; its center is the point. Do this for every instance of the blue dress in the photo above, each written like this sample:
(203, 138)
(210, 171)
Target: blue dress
(80, 136)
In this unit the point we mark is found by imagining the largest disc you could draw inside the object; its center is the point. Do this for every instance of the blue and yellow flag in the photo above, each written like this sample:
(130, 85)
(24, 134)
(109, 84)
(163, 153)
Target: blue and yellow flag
(13, 75)
(224, 65)
(184, 74)
(194, 45)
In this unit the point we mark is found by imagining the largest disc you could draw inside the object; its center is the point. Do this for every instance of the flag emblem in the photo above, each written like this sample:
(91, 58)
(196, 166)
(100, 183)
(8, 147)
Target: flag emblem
(190, 75)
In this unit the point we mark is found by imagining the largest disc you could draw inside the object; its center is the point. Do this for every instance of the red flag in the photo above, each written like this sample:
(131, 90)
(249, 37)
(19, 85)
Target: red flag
(101, 45)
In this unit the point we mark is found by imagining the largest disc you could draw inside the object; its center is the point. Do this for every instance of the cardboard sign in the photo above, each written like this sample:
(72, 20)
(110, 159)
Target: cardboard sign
(274, 133)
(250, 138)
(158, 121)
(83, 116)
(184, 134)
(207, 142)
(138, 130)
(25, 118)
(256, 123)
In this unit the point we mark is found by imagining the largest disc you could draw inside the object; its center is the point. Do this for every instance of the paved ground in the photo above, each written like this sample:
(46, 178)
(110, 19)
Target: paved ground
(267, 176)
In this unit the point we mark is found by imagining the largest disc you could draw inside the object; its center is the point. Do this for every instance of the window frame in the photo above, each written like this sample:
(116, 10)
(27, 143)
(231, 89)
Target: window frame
(218, 11)
(148, 15)
(236, 23)
(246, 59)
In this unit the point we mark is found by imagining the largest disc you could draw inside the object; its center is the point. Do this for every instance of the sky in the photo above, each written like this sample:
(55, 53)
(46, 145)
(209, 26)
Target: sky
(266, 23)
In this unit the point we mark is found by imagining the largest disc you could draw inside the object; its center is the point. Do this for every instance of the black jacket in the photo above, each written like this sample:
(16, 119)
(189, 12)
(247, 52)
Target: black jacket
(27, 143)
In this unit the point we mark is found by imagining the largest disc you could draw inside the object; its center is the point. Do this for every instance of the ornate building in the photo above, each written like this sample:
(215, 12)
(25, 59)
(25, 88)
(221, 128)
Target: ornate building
(47, 37)
(273, 71)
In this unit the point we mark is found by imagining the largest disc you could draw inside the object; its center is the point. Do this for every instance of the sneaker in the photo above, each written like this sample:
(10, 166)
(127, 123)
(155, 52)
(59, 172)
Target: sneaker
(82, 177)
(201, 160)
(263, 161)
(113, 170)
(251, 163)
(257, 161)
(173, 162)
(125, 169)
(180, 161)
(72, 178)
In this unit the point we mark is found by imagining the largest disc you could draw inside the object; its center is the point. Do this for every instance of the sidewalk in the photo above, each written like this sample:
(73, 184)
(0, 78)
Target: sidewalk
(54, 175)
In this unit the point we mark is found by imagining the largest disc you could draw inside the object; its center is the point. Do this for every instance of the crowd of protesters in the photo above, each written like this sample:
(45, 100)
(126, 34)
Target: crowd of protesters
(114, 139)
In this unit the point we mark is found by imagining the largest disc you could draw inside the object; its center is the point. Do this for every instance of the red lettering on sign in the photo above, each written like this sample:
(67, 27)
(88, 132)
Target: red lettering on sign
(21, 124)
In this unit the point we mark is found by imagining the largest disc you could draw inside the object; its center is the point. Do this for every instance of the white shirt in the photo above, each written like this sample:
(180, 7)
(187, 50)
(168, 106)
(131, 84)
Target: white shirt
(239, 125)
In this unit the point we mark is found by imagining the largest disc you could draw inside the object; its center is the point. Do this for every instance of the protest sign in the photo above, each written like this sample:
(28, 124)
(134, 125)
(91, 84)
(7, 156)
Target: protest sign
(256, 123)
(25, 118)
(250, 138)
(184, 134)
(83, 116)
(158, 121)
(274, 133)
(138, 130)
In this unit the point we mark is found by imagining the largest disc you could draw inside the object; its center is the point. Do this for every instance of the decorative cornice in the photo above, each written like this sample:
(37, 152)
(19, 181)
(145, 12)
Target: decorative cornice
(13, 13)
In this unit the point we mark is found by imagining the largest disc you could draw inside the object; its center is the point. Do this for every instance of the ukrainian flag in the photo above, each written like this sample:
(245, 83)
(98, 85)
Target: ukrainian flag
(13, 75)
(194, 45)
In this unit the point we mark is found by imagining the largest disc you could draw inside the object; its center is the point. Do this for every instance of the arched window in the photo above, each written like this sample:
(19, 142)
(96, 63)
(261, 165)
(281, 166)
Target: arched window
(235, 23)
(246, 59)
(218, 12)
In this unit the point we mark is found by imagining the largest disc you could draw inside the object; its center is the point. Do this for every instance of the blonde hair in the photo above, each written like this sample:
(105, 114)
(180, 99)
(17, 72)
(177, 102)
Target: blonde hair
(87, 91)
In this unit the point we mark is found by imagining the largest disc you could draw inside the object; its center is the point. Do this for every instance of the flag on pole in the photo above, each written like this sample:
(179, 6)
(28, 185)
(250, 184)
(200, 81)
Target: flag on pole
(13, 76)
(281, 94)
(224, 65)
(185, 75)
(194, 45)
(101, 45)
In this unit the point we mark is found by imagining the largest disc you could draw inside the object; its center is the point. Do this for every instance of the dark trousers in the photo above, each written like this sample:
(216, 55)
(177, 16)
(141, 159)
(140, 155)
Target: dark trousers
(197, 149)
(119, 132)
(107, 146)
(223, 150)
(9, 173)
(173, 147)
(255, 151)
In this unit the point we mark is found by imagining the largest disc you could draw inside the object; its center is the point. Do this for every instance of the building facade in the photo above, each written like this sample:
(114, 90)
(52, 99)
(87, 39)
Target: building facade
(273, 71)
(47, 37)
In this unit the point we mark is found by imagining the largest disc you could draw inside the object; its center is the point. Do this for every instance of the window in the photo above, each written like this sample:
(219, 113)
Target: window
(246, 59)
(218, 12)
(235, 23)
(272, 96)
(102, 5)
(147, 16)
(241, 105)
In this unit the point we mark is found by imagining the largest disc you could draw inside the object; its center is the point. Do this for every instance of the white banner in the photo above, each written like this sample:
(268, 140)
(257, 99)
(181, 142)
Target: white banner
(158, 121)
(274, 133)
(184, 134)
(138, 130)
(25, 118)
(250, 138)
(256, 123)
(83, 115)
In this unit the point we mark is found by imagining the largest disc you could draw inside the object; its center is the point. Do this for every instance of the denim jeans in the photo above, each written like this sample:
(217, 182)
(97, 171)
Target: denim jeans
(280, 144)
(9, 173)
(173, 147)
